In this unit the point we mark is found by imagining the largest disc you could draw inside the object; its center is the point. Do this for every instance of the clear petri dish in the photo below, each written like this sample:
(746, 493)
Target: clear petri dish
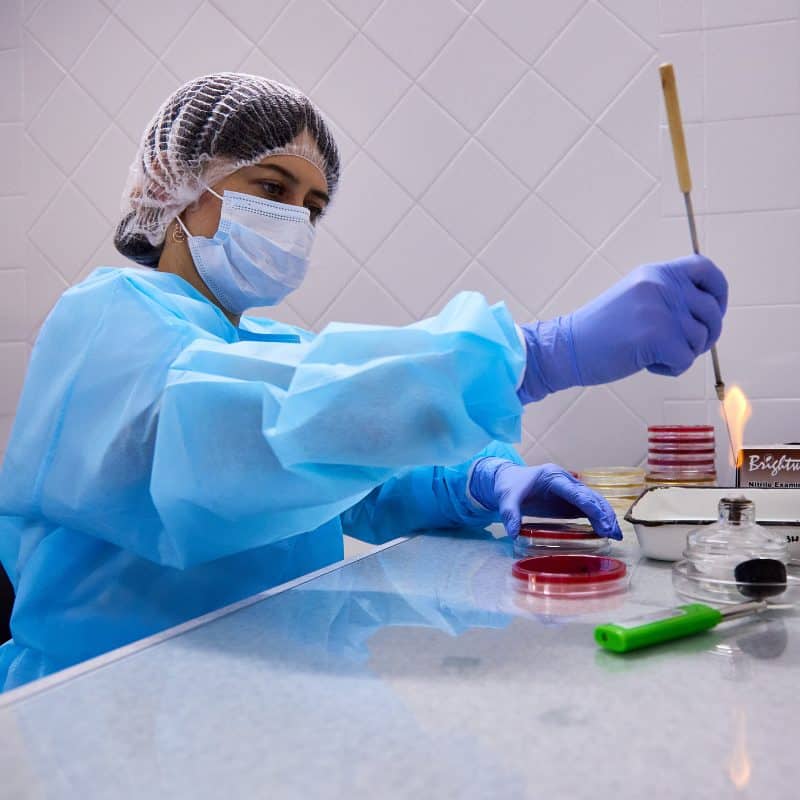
(545, 538)
(612, 476)
(570, 575)
(682, 477)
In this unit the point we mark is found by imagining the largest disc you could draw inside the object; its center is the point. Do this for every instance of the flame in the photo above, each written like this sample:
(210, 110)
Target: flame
(739, 768)
(737, 410)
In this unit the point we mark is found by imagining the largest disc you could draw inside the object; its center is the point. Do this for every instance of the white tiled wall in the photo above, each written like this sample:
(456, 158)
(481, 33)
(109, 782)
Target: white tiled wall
(516, 147)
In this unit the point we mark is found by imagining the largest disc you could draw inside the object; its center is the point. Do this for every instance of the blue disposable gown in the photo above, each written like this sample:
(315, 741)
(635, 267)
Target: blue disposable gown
(164, 463)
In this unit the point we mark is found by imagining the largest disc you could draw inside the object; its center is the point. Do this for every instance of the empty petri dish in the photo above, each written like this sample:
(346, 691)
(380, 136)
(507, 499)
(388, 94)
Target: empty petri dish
(543, 538)
(570, 575)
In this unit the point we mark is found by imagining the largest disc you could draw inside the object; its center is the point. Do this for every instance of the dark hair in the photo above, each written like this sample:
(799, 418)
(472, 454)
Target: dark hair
(228, 115)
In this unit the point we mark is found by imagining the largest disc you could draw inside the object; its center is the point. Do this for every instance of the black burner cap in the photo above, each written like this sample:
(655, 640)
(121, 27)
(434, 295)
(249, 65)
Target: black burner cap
(760, 578)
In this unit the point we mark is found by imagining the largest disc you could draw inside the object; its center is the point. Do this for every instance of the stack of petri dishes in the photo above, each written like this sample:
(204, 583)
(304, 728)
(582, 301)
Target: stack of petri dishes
(681, 455)
(619, 485)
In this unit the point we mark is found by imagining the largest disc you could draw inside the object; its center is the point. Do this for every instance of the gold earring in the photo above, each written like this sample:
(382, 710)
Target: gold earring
(178, 234)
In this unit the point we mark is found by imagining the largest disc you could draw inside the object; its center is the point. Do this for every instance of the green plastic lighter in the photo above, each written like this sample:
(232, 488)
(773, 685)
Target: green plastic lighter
(663, 626)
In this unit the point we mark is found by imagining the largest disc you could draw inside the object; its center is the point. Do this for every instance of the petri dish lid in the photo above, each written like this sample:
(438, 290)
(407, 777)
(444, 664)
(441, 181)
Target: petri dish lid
(570, 575)
(566, 531)
(680, 430)
(671, 435)
(540, 538)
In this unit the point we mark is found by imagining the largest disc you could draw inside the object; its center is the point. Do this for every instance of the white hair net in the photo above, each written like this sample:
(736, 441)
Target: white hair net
(206, 130)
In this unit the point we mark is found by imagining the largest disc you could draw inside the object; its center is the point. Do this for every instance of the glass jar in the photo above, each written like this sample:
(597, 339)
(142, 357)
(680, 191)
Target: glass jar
(713, 552)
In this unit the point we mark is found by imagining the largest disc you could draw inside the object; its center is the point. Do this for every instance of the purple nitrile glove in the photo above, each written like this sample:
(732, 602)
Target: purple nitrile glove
(541, 491)
(660, 317)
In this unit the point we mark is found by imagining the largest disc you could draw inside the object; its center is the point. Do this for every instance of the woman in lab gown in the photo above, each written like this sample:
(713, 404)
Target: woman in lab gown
(170, 455)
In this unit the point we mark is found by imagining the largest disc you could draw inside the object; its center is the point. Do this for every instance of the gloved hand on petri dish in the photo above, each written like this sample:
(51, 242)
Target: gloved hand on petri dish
(541, 491)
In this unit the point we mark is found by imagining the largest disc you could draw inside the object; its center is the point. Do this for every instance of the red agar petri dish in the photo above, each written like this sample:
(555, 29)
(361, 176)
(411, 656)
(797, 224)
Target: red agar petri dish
(570, 575)
(536, 538)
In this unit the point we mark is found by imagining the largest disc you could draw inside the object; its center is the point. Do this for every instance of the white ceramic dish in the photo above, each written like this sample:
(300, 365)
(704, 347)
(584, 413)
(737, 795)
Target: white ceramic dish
(663, 515)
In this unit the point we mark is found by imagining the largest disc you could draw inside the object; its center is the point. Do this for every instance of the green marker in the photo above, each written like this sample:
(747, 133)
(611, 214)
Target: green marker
(663, 626)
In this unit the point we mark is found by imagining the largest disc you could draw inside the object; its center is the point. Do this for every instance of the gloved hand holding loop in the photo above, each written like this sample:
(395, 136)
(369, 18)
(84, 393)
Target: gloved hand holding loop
(660, 317)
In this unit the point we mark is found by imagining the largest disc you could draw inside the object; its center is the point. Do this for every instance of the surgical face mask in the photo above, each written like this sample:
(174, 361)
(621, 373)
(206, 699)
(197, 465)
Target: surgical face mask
(259, 253)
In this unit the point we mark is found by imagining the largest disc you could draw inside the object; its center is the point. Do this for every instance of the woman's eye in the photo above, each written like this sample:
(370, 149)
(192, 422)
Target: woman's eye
(273, 189)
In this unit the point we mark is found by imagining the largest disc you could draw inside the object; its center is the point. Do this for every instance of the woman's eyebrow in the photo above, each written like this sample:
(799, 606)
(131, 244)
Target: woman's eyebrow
(292, 178)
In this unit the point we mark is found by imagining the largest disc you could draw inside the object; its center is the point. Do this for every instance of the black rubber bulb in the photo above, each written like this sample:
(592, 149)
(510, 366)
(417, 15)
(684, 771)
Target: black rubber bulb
(760, 578)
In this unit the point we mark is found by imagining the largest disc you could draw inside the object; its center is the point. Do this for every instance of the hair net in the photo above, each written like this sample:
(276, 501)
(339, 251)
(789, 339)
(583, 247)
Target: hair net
(207, 129)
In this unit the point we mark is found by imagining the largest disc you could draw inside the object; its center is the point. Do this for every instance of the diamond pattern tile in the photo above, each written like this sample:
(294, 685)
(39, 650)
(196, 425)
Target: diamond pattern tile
(596, 186)
(594, 59)
(529, 26)
(256, 63)
(324, 32)
(416, 141)
(13, 294)
(331, 269)
(474, 196)
(361, 88)
(42, 75)
(357, 11)
(362, 227)
(641, 16)
(12, 216)
(540, 417)
(418, 261)
(365, 300)
(429, 24)
(10, 85)
(172, 17)
(535, 253)
(68, 144)
(631, 118)
(65, 31)
(506, 146)
(10, 24)
(251, 17)
(596, 430)
(68, 231)
(143, 102)
(13, 360)
(471, 87)
(208, 42)
(592, 278)
(646, 236)
(477, 278)
(11, 138)
(532, 113)
(112, 155)
(114, 45)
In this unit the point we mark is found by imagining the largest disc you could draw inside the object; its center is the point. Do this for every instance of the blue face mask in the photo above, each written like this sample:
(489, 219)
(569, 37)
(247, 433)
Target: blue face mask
(259, 253)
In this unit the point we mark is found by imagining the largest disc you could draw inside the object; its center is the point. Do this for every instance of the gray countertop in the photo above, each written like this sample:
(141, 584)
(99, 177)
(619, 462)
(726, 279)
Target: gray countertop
(417, 672)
